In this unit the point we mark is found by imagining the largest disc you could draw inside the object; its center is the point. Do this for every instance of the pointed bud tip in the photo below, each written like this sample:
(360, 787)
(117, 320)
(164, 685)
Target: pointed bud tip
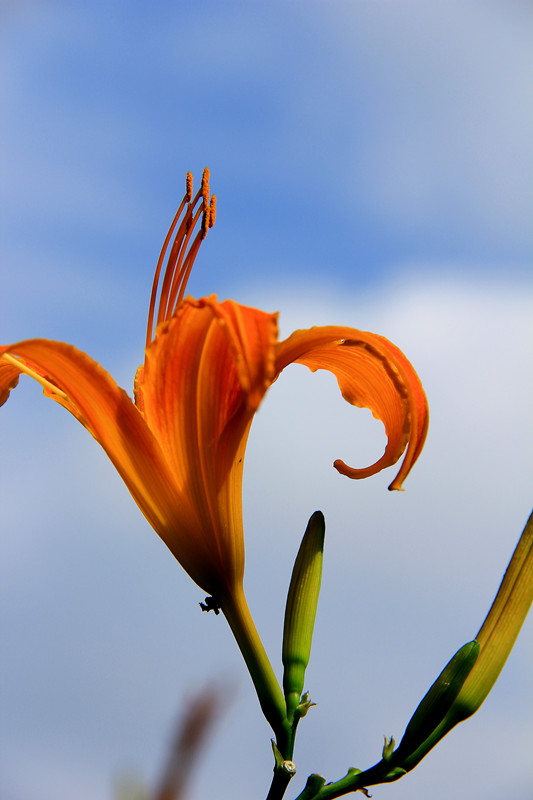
(317, 520)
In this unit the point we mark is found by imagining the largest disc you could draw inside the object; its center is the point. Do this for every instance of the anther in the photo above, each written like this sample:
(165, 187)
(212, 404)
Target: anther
(188, 187)
(205, 187)
(212, 210)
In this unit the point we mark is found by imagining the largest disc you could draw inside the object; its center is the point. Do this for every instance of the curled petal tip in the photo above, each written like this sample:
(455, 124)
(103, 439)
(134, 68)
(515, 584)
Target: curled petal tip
(371, 373)
(396, 486)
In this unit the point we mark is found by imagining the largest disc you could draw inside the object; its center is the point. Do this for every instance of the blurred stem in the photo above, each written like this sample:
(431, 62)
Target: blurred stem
(271, 700)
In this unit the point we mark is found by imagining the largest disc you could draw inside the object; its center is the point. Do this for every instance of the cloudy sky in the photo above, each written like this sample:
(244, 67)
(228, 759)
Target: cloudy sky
(373, 167)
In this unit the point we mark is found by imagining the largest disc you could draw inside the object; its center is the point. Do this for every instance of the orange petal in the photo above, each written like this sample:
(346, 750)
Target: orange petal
(371, 373)
(251, 335)
(204, 375)
(9, 376)
(82, 386)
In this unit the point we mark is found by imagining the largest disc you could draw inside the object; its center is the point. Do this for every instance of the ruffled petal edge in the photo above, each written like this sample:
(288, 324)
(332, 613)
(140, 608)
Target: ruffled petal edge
(372, 373)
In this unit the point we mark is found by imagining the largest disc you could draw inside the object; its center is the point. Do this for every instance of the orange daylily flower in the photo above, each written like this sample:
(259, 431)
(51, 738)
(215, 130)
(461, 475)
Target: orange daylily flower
(179, 446)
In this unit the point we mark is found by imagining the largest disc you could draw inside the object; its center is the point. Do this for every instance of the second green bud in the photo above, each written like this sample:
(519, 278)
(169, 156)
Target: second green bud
(300, 613)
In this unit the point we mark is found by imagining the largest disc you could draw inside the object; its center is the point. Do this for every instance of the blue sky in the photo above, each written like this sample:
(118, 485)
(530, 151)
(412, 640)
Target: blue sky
(373, 167)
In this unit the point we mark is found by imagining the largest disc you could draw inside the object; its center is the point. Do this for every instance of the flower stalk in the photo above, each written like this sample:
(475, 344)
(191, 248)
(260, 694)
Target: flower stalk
(235, 608)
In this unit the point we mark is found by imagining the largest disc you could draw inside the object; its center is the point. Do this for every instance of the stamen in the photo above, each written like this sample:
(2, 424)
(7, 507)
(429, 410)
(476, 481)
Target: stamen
(212, 210)
(182, 254)
(183, 267)
(159, 266)
(208, 219)
(205, 186)
(20, 365)
(173, 268)
(186, 269)
(188, 187)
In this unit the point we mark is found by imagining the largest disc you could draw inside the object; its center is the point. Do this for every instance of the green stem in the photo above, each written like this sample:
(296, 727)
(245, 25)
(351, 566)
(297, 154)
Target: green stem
(355, 780)
(271, 699)
(280, 781)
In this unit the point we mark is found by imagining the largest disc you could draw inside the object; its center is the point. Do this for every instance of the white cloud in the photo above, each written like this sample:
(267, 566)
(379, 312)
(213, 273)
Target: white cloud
(447, 120)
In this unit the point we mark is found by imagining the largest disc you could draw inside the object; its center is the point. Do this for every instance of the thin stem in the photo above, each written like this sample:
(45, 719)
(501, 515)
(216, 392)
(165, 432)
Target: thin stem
(279, 784)
(237, 613)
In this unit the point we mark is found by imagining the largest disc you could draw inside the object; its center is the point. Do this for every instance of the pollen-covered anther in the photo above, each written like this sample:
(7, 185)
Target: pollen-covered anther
(208, 216)
(205, 223)
(212, 210)
(205, 187)
(188, 187)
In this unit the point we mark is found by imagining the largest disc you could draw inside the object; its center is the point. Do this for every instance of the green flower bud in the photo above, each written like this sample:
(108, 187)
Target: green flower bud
(495, 640)
(436, 703)
(300, 611)
(501, 627)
